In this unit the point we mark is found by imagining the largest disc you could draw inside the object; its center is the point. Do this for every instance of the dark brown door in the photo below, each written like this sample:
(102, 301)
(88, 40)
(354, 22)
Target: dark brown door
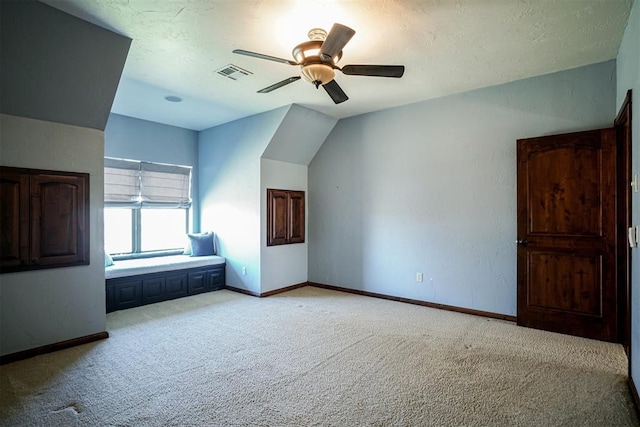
(567, 234)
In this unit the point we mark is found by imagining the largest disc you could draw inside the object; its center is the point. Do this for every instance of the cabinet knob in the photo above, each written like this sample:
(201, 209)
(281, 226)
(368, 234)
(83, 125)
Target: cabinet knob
(522, 242)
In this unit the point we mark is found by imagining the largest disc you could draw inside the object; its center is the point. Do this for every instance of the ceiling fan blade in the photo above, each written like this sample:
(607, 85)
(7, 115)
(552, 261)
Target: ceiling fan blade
(279, 84)
(374, 70)
(335, 92)
(337, 38)
(263, 56)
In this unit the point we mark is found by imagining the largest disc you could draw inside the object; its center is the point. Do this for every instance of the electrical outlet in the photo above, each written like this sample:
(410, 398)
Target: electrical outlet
(418, 277)
(244, 271)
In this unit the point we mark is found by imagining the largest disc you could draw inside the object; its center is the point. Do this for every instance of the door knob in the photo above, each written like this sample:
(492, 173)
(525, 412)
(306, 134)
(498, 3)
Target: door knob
(522, 242)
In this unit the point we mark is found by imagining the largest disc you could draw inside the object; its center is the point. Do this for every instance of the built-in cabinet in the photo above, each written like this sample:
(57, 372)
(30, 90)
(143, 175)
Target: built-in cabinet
(134, 291)
(44, 219)
(285, 217)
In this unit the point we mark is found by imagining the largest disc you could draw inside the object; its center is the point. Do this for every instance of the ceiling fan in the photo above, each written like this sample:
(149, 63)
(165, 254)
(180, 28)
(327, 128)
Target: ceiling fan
(317, 59)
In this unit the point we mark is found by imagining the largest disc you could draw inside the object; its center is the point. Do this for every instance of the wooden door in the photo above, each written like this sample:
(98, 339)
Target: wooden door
(567, 234)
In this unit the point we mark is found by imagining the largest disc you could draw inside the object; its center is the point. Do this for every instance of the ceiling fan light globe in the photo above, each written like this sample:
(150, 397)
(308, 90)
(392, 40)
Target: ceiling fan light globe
(317, 73)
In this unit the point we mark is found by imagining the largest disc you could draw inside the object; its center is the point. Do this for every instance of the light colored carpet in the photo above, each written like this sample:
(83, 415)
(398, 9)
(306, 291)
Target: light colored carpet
(318, 357)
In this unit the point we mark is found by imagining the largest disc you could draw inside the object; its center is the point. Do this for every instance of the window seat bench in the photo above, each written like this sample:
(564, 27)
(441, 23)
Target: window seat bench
(135, 282)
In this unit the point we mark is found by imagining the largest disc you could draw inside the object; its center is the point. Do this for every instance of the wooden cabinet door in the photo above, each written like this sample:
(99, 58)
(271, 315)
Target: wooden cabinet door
(59, 219)
(277, 217)
(153, 290)
(215, 278)
(197, 282)
(295, 231)
(109, 298)
(567, 234)
(14, 218)
(285, 217)
(176, 286)
(127, 294)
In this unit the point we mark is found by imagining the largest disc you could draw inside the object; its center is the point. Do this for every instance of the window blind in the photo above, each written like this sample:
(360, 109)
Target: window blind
(121, 182)
(135, 184)
(164, 185)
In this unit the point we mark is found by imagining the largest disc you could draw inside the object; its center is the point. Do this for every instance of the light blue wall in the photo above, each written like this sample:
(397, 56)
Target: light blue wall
(229, 159)
(431, 187)
(130, 138)
(628, 70)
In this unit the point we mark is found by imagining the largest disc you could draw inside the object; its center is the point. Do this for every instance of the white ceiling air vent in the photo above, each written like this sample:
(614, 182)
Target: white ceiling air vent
(233, 72)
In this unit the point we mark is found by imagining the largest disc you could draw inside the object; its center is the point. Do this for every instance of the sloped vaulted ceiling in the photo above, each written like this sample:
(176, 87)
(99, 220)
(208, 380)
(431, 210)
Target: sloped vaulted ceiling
(447, 46)
(56, 67)
(299, 136)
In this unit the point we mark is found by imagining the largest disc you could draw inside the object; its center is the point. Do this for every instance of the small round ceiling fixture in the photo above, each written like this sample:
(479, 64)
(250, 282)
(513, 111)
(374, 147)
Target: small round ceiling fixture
(172, 98)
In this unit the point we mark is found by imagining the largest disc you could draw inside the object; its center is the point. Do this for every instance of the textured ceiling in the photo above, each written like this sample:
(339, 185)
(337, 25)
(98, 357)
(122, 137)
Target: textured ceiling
(447, 46)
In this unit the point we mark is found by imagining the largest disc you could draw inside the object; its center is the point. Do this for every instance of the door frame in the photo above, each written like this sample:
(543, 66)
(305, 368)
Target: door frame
(622, 125)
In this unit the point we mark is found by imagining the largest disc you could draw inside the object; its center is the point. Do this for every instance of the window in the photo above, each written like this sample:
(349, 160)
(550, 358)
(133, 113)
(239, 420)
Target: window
(162, 229)
(118, 227)
(146, 207)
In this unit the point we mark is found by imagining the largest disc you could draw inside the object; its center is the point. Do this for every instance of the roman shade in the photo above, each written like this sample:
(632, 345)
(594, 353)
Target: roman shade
(136, 184)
